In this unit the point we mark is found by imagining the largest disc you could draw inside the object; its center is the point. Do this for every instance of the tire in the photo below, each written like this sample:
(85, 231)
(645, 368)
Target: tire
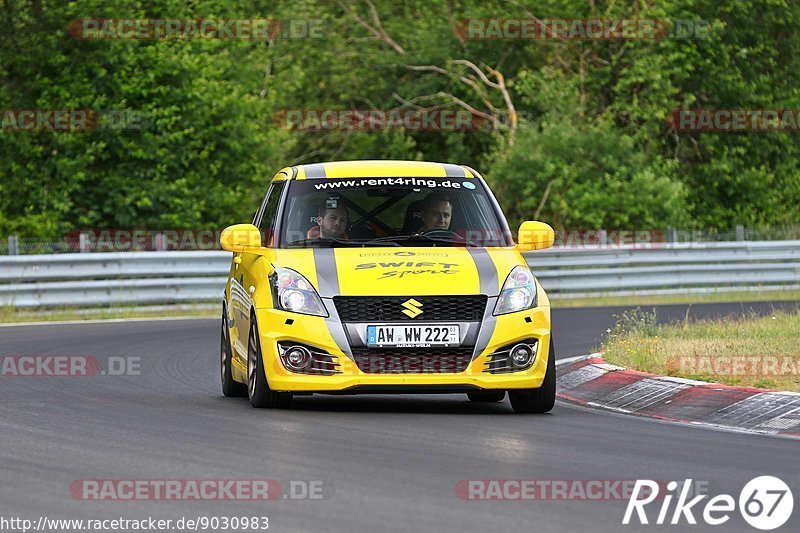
(486, 396)
(539, 400)
(257, 387)
(230, 387)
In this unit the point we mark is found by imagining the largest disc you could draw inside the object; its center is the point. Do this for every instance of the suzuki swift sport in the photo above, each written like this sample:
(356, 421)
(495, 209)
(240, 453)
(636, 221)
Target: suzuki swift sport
(385, 277)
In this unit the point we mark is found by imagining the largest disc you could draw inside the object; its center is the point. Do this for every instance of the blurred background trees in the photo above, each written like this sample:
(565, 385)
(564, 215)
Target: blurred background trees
(585, 141)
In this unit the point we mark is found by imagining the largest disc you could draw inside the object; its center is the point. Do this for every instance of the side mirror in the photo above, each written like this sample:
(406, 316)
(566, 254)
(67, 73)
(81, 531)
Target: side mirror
(535, 236)
(240, 236)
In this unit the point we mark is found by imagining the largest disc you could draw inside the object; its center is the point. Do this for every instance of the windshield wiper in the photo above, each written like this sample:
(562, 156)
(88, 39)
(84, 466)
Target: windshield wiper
(452, 239)
(329, 241)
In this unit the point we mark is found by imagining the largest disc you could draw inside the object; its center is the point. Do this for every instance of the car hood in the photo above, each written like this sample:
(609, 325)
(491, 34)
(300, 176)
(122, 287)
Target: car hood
(417, 271)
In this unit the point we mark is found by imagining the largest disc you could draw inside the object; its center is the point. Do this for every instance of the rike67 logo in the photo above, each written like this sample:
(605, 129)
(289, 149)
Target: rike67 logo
(765, 503)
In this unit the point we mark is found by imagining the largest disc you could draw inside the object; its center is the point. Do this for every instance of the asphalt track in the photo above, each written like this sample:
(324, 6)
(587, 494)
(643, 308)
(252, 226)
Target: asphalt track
(387, 463)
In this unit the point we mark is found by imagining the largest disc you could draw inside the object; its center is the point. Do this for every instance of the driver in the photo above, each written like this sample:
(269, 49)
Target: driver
(436, 212)
(332, 222)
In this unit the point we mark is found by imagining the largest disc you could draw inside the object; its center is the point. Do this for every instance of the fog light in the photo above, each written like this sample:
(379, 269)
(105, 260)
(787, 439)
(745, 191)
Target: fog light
(521, 355)
(298, 358)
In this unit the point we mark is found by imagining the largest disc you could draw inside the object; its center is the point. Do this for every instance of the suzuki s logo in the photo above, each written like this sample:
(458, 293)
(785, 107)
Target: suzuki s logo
(412, 308)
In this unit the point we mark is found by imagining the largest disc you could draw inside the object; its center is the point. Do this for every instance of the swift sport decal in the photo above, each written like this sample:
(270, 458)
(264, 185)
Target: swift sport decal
(401, 269)
(397, 264)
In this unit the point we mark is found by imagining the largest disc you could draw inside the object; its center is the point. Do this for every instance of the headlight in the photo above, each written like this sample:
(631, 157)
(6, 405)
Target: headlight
(518, 293)
(292, 292)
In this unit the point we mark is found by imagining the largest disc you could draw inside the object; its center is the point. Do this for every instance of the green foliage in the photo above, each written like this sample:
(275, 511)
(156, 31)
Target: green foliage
(203, 154)
(593, 148)
(587, 176)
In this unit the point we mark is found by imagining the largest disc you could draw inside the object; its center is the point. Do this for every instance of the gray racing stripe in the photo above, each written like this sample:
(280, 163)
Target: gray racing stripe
(454, 171)
(487, 327)
(315, 170)
(327, 276)
(487, 274)
(328, 281)
(334, 324)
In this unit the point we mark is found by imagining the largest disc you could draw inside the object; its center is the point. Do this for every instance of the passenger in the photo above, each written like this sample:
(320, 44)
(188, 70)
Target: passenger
(436, 212)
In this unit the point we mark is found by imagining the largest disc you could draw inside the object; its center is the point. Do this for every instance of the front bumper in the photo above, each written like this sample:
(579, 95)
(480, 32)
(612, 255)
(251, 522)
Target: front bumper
(280, 326)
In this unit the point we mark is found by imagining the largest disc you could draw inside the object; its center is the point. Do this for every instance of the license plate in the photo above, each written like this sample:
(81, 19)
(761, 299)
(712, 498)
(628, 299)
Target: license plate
(410, 336)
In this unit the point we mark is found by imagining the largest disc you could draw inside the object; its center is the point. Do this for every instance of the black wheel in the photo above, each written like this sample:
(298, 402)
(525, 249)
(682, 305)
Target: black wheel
(539, 400)
(486, 396)
(257, 387)
(230, 387)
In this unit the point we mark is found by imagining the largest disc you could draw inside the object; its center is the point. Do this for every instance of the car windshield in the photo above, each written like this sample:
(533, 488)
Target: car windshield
(391, 212)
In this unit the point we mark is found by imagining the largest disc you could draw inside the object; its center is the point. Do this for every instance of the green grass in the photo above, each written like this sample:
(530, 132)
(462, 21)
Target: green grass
(742, 296)
(10, 314)
(751, 351)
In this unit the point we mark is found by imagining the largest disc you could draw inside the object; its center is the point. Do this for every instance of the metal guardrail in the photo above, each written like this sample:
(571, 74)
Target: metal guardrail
(133, 278)
(669, 268)
(119, 279)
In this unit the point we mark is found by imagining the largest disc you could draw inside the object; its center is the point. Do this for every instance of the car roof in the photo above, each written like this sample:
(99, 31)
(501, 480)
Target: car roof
(376, 169)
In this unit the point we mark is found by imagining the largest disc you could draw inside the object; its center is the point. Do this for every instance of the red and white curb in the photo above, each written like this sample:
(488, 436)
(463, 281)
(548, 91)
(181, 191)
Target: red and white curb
(589, 380)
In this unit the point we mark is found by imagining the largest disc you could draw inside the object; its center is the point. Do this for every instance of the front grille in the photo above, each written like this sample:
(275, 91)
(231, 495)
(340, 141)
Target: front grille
(390, 308)
(412, 360)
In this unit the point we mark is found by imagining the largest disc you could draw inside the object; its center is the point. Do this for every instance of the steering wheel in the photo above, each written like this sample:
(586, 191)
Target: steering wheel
(446, 233)
(441, 233)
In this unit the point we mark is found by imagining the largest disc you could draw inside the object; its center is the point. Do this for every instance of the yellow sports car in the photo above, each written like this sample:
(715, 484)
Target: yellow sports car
(385, 277)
